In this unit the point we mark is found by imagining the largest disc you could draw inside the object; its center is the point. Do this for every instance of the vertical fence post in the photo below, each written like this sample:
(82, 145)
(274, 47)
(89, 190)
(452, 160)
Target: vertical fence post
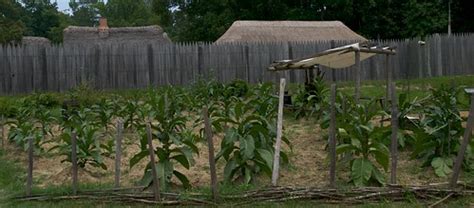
(156, 182)
(74, 161)
(212, 161)
(276, 158)
(29, 180)
(464, 144)
(332, 138)
(118, 153)
(388, 74)
(358, 76)
(2, 135)
(394, 141)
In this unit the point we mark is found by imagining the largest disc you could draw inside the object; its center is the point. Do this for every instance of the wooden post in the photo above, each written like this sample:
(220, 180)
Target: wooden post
(29, 180)
(74, 161)
(388, 74)
(2, 135)
(394, 140)
(332, 138)
(212, 160)
(464, 144)
(118, 153)
(333, 71)
(156, 182)
(358, 76)
(276, 158)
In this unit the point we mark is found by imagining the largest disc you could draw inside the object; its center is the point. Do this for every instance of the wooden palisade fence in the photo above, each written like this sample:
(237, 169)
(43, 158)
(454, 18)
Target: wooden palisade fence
(60, 68)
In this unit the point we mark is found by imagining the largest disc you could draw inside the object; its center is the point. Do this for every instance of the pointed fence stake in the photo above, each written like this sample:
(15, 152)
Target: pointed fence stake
(394, 140)
(74, 161)
(276, 158)
(29, 181)
(118, 153)
(464, 144)
(332, 138)
(156, 181)
(212, 161)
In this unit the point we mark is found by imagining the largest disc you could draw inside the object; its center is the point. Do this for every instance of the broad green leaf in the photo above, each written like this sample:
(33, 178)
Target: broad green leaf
(135, 159)
(267, 157)
(182, 159)
(184, 180)
(442, 166)
(247, 147)
(361, 171)
(230, 169)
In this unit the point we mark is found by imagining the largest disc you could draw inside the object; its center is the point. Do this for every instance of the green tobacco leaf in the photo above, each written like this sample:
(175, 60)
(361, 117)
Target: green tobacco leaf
(247, 147)
(183, 160)
(230, 169)
(267, 157)
(378, 176)
(181, 177)
(135, 159)
(344, 148)
(442, 166)
(361, 171)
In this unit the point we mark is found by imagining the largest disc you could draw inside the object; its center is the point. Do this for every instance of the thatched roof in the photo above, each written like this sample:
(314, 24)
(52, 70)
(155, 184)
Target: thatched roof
(32, 40)
(152, 34)
(283, 31)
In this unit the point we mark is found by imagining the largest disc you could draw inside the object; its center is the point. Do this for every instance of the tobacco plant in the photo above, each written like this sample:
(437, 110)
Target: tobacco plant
(439, 136)
(361, 140)
(176, 143)
(90, 151)
(248, 144)
(310, 99)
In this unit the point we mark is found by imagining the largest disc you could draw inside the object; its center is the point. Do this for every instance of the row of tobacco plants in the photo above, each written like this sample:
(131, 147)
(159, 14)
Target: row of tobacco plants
(245, 115)
(430, 128)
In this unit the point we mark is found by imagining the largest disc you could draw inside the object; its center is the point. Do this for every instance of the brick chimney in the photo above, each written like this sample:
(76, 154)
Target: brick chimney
(103, 28)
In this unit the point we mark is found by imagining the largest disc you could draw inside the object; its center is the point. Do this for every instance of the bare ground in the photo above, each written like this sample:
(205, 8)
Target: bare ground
(308, 163)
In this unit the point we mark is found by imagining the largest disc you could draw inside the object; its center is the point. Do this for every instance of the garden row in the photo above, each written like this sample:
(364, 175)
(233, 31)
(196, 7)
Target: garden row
(246, 115)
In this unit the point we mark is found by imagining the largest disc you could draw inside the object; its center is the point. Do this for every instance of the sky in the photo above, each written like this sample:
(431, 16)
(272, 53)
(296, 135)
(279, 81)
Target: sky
(63, 5)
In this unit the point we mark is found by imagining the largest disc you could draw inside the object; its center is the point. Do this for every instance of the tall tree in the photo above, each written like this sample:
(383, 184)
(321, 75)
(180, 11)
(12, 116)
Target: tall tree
(121, 13)
(84, 12)
(43, 19)
(11, 28)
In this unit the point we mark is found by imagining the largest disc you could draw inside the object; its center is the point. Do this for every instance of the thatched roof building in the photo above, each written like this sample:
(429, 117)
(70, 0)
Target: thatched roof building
(32, 40)
(104, 34)
(283, 31)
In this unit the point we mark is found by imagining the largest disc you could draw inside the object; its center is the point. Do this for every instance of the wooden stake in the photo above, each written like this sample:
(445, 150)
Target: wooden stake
(2, 135)
(276, 158)
(74, 161)
(464, 144)
(212, 161)
(394, 139)
(358, 76)
(29, 180)
(118, 153)
(156, 181)
(388, 73)
(332, 138)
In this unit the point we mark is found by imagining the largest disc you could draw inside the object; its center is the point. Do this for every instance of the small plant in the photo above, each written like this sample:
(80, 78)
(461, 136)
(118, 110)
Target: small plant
(438, 138)
(89, 149)
(176, 142)
(248, 144)
(361, 140)
(309, 100)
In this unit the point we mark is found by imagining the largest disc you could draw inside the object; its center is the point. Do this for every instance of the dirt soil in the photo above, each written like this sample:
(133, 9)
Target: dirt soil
(308, 163)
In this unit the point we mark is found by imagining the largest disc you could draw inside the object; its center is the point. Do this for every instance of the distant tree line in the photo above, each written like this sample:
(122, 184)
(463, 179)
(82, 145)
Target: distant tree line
(206, 20)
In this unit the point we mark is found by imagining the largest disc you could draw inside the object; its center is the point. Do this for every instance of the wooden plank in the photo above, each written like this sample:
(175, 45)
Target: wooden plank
(464, 144)
(358, 72)
(29, 180)
(332, 138)
(2, 128)
(151, 150)
(74, 161)
(118, 153)
(394, 139)
(276, 158)
(212, 161)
